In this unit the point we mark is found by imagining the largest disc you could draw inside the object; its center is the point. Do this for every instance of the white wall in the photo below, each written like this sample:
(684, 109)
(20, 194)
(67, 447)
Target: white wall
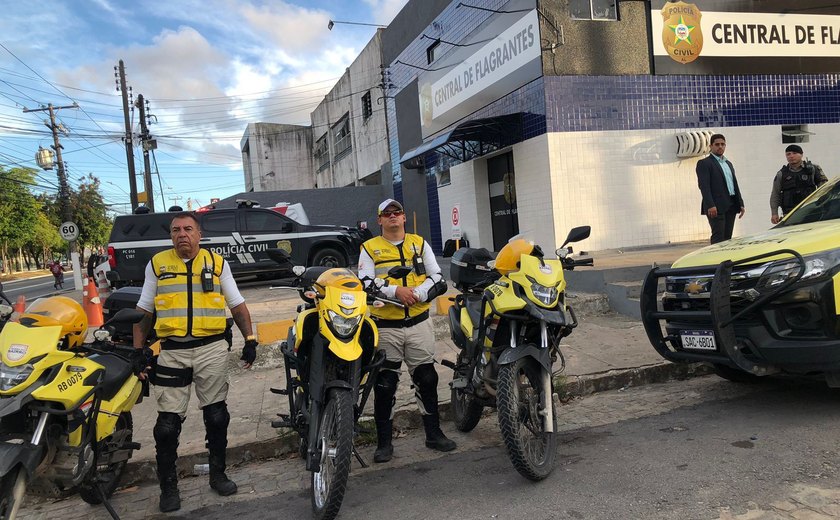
(468, 188)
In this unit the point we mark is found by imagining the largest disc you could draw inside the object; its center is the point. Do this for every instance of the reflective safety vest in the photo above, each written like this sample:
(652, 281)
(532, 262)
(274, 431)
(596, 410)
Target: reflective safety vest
(795, 186)
(386, 255)
(182, 307)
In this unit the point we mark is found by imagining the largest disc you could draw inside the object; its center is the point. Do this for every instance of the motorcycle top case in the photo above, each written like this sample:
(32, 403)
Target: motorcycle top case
(469, 266)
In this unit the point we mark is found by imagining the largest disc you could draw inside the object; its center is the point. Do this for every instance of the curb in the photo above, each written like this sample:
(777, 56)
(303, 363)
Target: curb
(286, 443)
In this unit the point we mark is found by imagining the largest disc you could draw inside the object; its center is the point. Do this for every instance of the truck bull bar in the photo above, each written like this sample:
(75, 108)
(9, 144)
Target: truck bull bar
(719, 315)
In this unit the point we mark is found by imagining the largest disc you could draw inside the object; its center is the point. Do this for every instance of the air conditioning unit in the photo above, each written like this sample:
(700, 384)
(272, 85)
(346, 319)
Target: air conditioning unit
(693, 144)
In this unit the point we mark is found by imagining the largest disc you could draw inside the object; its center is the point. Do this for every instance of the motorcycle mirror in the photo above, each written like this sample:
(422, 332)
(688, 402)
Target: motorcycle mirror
(298, 270)
(577, 234)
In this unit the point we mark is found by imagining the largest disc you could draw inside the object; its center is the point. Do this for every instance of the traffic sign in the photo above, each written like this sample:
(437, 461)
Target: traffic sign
(69, 231)
(456, 222)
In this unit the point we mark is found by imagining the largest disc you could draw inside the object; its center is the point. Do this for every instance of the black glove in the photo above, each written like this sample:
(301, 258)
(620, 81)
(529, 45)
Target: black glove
(142, 358)
(249, 351)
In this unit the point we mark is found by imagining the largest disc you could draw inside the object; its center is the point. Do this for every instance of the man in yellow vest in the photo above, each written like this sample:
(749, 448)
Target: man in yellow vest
(188, 288)
(405, 333)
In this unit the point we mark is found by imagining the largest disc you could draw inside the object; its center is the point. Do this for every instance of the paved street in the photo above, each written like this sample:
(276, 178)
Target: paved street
(33, 288)
(702, 448)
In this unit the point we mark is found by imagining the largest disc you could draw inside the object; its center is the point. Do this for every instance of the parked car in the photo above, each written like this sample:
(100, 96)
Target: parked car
(759, 304)
(241, 235)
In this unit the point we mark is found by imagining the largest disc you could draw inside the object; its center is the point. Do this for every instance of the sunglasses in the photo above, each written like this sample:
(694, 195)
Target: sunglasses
(391, 213)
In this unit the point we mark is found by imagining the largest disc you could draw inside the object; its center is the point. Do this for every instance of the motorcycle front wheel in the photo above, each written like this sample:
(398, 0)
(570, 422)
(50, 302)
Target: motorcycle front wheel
(466, 410)
(12, 490)
(108, 476)
(335, 445)
(531, 449)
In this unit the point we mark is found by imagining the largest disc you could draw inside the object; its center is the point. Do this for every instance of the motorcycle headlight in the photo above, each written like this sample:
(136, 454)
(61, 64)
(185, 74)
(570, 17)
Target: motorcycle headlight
(816, 266)
(546, 295)
(10, 377)
(343, 327)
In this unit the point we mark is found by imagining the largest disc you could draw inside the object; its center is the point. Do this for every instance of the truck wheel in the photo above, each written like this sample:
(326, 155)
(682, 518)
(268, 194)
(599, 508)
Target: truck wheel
(733, 374)
(329, 257)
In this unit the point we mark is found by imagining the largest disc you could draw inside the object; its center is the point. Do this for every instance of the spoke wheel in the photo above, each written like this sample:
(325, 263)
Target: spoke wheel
(531, 449)
(335, 440)
(108, 475)
(12, 490)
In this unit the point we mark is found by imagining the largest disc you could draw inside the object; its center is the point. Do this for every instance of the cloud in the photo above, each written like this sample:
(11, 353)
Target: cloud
(385, 10)
(290, 27)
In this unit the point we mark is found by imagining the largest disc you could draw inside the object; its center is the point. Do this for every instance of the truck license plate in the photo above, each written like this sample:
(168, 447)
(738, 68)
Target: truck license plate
(698, 340)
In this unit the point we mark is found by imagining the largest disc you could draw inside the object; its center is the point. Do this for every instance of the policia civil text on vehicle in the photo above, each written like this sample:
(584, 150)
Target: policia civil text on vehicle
(405, 333)
(188, 288)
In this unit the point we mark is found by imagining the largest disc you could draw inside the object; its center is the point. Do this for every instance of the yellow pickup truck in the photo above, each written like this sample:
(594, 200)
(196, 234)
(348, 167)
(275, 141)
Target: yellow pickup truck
(756, 305)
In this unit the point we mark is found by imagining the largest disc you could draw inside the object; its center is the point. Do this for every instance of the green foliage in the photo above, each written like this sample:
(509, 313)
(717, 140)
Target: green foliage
(90, 213)
(17, 207)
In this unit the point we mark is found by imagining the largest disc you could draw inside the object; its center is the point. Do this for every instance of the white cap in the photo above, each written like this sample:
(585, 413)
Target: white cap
(389, 202)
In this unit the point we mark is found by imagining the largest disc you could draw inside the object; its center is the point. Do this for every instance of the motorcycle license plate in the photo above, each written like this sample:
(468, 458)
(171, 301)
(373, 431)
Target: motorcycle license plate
(698, 340)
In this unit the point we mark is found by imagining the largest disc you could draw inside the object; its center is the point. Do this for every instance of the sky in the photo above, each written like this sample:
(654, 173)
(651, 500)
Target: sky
(206, 67)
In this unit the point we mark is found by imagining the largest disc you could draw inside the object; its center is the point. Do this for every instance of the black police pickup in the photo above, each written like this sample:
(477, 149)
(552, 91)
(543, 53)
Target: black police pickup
(241, 235)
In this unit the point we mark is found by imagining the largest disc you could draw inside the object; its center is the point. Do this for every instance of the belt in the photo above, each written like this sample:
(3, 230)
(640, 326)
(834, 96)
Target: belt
(168, 344)
(401, 324)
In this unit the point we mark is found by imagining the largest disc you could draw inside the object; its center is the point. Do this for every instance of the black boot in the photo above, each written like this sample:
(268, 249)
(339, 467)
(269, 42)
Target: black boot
(384, 448)
(435, 439)
(216, 420)
(166, 432)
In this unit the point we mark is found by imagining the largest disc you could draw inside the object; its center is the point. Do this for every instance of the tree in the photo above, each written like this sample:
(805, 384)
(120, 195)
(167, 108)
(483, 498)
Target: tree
(18, 210)
(90, 213)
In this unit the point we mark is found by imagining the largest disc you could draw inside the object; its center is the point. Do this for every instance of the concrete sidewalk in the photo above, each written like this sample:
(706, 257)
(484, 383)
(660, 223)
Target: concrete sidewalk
(606, 351)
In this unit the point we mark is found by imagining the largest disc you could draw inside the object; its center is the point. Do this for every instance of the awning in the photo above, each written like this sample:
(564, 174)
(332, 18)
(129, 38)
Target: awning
(469, 139)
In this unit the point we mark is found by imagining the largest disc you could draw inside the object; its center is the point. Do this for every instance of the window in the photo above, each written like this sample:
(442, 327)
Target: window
(430, 51)
(267, 221)
(321, 153)
(218, 223)
(367, 108)
(795, 134)
(593, 9)
(341, 137)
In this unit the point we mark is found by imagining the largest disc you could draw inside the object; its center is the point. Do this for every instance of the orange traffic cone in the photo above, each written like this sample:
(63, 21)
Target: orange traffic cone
(103, 285)
(20, 305)
(92, 304)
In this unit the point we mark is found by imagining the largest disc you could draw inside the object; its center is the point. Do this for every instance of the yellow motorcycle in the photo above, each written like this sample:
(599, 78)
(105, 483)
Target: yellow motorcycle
(507, 321)
(333, 351)
(65, 405)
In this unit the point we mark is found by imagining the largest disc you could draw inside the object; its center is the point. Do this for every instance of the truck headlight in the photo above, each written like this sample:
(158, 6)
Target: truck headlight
(816, 266)
(10, 377)
(343, 327)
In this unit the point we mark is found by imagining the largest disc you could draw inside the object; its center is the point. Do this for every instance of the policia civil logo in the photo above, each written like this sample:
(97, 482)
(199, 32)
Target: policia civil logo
(681, 33)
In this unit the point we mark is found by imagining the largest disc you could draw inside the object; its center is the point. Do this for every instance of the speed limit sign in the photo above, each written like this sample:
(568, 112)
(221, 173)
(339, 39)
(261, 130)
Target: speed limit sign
(69, 231)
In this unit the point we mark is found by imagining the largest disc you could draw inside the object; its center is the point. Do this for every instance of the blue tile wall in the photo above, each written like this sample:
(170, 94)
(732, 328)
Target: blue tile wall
(599, 103)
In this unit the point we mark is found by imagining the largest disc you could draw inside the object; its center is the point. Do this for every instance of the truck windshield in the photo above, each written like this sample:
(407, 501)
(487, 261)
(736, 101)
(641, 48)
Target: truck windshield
(823, 204)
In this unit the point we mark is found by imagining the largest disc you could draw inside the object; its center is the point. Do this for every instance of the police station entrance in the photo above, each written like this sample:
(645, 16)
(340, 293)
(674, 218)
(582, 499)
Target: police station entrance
(503, 215)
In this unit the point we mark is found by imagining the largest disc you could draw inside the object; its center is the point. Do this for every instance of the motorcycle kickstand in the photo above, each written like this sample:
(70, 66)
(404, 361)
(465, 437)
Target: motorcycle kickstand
(107, 503)
(359, 458)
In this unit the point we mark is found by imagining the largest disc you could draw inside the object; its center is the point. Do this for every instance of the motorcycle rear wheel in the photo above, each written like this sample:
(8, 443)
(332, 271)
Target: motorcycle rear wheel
(335, 440)
(12, 490)
(107, 477)
(531, 449)
(466, 410)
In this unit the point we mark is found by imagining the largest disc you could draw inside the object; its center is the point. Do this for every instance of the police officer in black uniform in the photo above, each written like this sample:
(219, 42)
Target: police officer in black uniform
(795, 181)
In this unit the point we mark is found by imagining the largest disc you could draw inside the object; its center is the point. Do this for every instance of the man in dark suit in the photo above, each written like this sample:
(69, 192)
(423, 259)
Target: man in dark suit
(721, 196)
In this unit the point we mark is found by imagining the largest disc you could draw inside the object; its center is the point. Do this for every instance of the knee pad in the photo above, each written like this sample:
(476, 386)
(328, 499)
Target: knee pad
(167, 428)
(384, 392)
(216, 416)
(425, 376)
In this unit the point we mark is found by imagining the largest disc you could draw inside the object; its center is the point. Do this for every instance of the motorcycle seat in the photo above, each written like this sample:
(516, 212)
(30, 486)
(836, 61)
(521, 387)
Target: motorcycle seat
(473, 304)
(117, 371)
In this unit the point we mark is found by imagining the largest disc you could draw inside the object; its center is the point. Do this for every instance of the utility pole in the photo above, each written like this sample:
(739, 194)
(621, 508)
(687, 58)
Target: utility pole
(129, 152)
(147, 144)
(63, 188)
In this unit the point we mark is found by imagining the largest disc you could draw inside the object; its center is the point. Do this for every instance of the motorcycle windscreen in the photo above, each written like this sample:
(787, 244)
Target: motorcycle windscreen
(27, 352)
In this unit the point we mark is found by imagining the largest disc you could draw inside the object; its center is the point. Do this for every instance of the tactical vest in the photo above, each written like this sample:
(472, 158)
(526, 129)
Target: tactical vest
(795, 186)
(182, 307)
(385, 256)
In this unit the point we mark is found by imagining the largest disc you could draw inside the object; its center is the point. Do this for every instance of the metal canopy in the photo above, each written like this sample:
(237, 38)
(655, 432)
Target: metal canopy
(469, 139)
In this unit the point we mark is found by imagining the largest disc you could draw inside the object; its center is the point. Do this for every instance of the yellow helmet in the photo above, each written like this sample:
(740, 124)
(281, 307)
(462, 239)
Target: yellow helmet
(508, 258)
(338, 277)
(58, 311)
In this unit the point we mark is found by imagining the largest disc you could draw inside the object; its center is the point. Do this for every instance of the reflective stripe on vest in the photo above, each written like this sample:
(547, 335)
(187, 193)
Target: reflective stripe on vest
(182, 307)
(385, 256)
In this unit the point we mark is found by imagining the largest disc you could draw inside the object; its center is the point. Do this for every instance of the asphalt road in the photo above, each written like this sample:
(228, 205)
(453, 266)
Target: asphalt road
(737, 448)
(34, 288)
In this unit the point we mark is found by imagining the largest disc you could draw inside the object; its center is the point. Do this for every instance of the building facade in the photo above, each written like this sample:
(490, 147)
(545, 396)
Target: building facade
(538, 116)
(277, 157)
